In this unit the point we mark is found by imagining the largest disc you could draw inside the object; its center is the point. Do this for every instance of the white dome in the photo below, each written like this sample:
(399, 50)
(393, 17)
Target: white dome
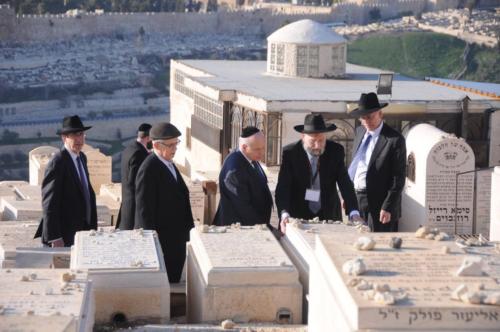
(306, 32)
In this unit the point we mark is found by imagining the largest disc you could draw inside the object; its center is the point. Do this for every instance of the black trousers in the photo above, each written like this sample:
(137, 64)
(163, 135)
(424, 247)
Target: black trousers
(372, 216)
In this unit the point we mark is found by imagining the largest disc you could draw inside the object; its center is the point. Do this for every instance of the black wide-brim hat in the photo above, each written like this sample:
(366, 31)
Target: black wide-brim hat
(314, 124)
(72, 124)
(368, 103)
(164, 130)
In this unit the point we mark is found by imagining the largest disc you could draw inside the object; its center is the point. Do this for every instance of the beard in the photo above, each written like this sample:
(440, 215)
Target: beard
(315, 152)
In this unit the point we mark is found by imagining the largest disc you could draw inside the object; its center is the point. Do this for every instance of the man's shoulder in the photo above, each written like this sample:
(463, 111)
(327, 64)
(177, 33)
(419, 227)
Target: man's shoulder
(295, 146)
(234, 160)
(390, 132)
(151, 161)
(332, 146)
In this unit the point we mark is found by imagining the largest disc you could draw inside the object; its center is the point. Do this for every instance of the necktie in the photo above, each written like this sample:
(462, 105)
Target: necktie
(85, 188)
(360, 155)
(257, 168)
(315, 184)
(172, 170)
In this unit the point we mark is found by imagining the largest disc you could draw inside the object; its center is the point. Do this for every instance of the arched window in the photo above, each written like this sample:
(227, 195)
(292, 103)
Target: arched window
(235, 127)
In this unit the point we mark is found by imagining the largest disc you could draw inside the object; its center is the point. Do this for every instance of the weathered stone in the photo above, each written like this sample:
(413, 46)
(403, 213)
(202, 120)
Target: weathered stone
(385, 298)
(395, 242)
(354, 267)
(471, 266)
(458, 292)
(364, 243)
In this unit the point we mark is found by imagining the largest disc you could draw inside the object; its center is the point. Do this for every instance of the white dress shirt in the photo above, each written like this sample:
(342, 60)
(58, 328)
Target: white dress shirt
(362, 169)
(169, 164)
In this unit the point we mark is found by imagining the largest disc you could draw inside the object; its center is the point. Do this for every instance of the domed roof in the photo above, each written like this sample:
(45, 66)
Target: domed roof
(306, 32)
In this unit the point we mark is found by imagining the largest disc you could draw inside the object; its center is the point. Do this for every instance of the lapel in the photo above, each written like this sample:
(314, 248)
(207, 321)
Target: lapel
(74, 171)
(249, 167)
(379, 146)
(304, 163)
(358, 139)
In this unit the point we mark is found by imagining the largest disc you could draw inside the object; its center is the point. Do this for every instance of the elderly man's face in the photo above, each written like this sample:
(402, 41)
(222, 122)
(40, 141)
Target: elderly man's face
(167, 148)
(314, 143)
(255, 148)
(74, 141)
(371, 121)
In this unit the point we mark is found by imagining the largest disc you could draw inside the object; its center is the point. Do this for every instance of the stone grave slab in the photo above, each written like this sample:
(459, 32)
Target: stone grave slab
(14, 234)
(420, 270)
(21, 210)
(113, 190)
(241, 274)
(38, 160)
(42, 258)
(107, 209)
(27, 293)
(38, 324)
(494, 139)
(28, 192)
(434, 158)
(495, 206)
(197, 199)
(299, 244)
(99, 166)
(128, 274)
(483, 203)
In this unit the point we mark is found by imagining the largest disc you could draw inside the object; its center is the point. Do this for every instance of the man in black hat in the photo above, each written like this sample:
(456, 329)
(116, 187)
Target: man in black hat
(378, 167)
(244, 195)
(310, 171)
(68, 199)
(162, 199)
(132, 158)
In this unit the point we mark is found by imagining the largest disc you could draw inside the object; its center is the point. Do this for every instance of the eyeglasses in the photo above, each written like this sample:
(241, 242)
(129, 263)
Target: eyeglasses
(171, 145)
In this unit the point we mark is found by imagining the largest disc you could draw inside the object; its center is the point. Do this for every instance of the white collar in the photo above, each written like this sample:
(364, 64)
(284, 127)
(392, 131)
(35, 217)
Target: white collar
(249, 161)
(375, 133)
(71, 153)
(165, 161)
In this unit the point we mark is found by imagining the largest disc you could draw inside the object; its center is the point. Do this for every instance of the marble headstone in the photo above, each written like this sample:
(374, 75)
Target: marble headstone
(14, 234)
(14, 209)
(128, 274)
(420, 275)
(28, 293)
(38, 160)
(429, 197)
(112, 190)
(241, 274)
(99, 166)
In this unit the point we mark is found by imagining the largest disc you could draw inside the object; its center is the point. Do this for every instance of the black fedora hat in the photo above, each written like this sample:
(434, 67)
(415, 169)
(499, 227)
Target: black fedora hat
(144, 128)
(164, 130)
(72, 124)
(368, 103)
(314, 124)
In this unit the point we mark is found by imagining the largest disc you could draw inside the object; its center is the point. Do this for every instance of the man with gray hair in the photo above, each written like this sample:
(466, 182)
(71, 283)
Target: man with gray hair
(244, 195)
(162, 199)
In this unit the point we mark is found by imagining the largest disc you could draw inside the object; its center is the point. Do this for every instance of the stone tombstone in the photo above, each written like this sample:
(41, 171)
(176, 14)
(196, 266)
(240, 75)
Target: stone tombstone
(112, 190)
(28, 192)
(99, 166)
(495, 205)
(482, 208)
(38, 159)
(197, 200)
(38, 323)
(14, 209)
(420, 276)
(430, 199)
(240, 273)
(28, 293)
(107, 210)
(14, 234)
(299, 243)
(495, 139)
(128, 274)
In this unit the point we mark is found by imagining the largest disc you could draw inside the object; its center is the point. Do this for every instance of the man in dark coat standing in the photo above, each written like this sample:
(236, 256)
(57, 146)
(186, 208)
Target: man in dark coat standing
(244, 195)
(162, 199)
(378, 167)
(309, 174)
(132, 158)
(68, 199)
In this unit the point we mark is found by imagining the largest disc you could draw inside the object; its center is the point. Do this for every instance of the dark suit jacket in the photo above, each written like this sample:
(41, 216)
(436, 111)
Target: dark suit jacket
(162, 204)
(295, 177)
(63, 201)
(385, 178)
(244, 194)
(132, 158)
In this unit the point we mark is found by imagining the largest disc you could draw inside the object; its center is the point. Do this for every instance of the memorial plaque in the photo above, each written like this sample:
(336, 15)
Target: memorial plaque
(99, 166)
(39, 292)
(420, 270)
(432, 199)
(112, 190)
(38, 160)
(495, 205)
(127, 271)
(14, 234)
(241, 273)
(483, 203)
(21, 210)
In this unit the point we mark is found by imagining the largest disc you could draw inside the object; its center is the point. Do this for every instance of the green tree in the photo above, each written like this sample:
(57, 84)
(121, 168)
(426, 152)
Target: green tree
(374, 14)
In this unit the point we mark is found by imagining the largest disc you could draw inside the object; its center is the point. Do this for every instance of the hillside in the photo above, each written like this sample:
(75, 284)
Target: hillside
(421, 54)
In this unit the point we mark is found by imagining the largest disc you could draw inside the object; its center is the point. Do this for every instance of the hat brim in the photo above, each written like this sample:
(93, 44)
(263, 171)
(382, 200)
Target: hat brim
(360, 112)
(71, 130)
(300, 129)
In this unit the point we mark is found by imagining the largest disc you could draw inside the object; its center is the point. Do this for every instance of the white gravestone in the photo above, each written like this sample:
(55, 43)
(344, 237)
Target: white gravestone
(38, 160)
(14, 209)
(14, 234)
(482, 209)
(495, 205)
(419, 274)
(112, 190)
(299, 244)
(495, 139)
(38, 324)
(128, 274)
(28, 192)
(31, 293)
(197, 200)
(434, 158)
(99, 166)
(241, 274)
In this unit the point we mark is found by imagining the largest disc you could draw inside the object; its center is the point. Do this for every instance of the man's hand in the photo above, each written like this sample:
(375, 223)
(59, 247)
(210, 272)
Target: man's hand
(57, 243)
(385, 217)
(283, 223)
